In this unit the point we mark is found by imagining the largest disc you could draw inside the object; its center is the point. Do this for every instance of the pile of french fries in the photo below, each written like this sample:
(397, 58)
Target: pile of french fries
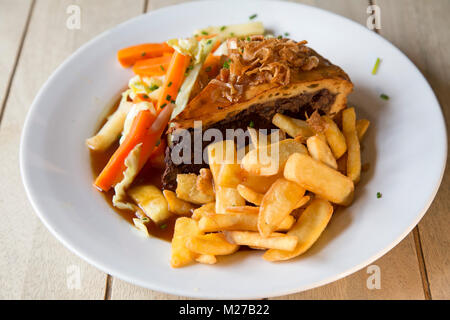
(280, 204)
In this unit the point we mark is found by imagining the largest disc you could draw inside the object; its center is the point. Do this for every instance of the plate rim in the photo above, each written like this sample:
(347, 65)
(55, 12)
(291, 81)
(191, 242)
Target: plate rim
(73, 247)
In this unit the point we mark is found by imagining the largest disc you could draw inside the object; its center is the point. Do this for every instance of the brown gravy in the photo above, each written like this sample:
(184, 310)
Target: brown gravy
(148, 175)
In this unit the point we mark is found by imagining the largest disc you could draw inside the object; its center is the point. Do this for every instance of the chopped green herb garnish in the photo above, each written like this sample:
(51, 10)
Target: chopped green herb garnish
(143, 54)
(163, 226)
(384, 96)
(205, 33)
(168, 97)
(209, 41)
(145, 219)
(162, 68)
(286, 34)
(251, 124)
(379, 195)
(145, 96)
(253, 16)
(248, 38)
(280, 37)
(158, 142)
(226, 64)
(223, 28)
(232, 34)
(163, 105)
(375, 67)
(208, 69)
(153, 87)
(169, 84)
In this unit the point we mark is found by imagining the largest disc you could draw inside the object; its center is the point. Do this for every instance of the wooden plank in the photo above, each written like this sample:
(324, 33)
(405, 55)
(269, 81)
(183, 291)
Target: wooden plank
(420, 30)
(400, 265)
(13, 20)
(33, 264)
(399, 279)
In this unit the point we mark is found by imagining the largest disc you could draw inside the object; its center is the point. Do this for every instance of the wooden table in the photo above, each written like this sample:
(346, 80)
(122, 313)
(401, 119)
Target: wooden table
(35, 40)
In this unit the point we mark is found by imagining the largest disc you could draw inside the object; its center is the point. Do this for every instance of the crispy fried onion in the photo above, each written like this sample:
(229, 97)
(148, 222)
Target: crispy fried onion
(259, 60)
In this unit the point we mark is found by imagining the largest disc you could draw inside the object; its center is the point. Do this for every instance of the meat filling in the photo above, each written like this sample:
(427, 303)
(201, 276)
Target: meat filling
(260, 117)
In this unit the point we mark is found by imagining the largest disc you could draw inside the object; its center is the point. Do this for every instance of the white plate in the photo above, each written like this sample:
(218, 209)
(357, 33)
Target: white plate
(405, 146)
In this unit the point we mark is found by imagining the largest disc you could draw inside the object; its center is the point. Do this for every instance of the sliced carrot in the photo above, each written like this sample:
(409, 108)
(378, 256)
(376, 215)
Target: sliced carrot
(129, 56)
(141, 97)
(146, 129)
(174, 78)
(152, 67)
(212, 65)
(205, 36)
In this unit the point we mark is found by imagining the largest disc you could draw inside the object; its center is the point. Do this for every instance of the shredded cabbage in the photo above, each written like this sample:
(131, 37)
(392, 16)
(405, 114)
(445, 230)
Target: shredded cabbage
(144, 85)
(139, 223)
(235, 30)
(132, 165)
(199, 51)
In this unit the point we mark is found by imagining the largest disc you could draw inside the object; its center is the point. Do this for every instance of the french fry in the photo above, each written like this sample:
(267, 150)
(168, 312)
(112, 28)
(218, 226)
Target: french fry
(151, 200)
(335, 138)
(211, 244)
(250, 195)
(204, 182)
(361, 128)
(227, 197)
(293, 127)
(269, 160)
(176, 205)
(318, 178)
(354, 150)
(184, 229)
(206, 259)
(242, 209)
(277, 204)
(319, 150)
(342, 164)
(259, 184)
(229, 175)
(307, 230)
(304, 200)
(237, 221)
(254, 239)
(204, 211)
(215, 153)
(187, 190)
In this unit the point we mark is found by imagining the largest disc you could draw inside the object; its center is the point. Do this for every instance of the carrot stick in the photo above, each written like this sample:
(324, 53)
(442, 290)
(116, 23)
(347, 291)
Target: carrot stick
(212, 65)
(142, 97)
(152, 67)
(128, 56)
(111, 173)
(146, 130)
(174, 78)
